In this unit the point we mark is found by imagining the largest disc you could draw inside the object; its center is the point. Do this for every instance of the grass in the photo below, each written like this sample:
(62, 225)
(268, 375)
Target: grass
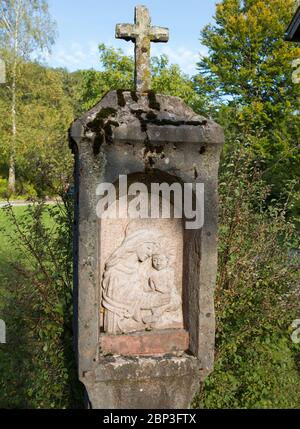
(17, 367)
(6, 246)
(8, 255)
(8, 283)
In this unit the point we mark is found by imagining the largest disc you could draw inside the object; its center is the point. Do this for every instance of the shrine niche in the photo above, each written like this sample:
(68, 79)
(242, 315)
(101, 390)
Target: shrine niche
(139, 285)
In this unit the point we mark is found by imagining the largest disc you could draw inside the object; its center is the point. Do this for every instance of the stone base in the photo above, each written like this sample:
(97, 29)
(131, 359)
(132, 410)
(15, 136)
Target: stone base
(145, 343)
(168, 382)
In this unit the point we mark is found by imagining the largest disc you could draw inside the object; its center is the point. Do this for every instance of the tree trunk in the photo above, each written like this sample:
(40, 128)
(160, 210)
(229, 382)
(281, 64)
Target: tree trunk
(12, 175)
(12, 159)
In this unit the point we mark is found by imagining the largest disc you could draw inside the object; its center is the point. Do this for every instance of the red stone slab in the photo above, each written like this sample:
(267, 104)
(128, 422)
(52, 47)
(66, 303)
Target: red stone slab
(145, 343)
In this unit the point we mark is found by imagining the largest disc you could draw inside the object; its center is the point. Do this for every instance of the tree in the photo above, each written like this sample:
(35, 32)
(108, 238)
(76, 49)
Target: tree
(249, 72)
(170, 80)
(46, 109)
(25, 28)
(118, 71)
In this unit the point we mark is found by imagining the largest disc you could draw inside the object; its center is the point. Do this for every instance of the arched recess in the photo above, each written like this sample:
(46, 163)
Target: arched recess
(114, 228)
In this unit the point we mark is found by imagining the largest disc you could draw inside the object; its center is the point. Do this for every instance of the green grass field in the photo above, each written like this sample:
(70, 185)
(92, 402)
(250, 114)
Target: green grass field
(18, 367)
(8, 254)
(9, 361)
(6, 246)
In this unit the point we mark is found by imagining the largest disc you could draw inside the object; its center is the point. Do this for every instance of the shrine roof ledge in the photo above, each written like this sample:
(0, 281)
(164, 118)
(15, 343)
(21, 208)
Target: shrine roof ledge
(130, 115)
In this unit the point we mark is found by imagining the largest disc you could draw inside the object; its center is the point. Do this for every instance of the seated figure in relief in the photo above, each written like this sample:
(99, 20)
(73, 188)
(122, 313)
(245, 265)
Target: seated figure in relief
(126, 296)
(162, 280)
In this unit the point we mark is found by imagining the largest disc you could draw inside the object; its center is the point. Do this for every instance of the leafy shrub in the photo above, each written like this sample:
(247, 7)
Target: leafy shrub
(26, 190)
(38, 361)
(23, 190)
(3, 188)
(256, 365)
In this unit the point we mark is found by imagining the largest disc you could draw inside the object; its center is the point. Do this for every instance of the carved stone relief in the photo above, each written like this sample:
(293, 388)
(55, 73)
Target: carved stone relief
(139, 288)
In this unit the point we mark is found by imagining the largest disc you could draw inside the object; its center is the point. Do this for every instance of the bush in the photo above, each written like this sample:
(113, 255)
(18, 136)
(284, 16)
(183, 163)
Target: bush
(3, 188)
(38, 362)
(256, 365)
(23, 190)
(26, 190)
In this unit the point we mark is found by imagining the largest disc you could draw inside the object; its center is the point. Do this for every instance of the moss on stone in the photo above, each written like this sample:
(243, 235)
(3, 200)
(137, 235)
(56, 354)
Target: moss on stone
(134, 96)
(108, 131)
(97, 144)
(162, 122)
(153, 103)
(106, 112)
(102, 127)
(98, 123)
(138, 113)
(151, 116)
(121, 98)
(202, 150)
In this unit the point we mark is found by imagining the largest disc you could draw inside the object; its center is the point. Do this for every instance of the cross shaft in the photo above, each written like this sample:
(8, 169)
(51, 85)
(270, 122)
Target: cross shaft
(142, 34)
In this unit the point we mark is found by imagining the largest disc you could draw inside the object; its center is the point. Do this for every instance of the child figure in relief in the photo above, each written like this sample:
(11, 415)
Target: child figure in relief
(162, 280)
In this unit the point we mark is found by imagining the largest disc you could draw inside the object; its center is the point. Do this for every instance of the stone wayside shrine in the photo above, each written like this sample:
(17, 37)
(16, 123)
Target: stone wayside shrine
(144, 285)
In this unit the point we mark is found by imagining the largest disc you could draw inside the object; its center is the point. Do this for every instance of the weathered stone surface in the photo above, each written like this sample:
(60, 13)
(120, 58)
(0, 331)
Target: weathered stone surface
(144, 383)
(142, 34)
(146, 344)
(149, 138)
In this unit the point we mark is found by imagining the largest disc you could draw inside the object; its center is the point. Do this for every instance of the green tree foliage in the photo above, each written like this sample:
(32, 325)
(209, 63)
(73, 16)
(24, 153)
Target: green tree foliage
(256, 361)
(170, 80)
(25, 28)
(43, 159)
(118, 71)
(249, 71)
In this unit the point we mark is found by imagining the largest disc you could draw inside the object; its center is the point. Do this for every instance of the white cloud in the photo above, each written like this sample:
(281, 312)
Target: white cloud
(75, 56)
(183, 56)
(82, 56)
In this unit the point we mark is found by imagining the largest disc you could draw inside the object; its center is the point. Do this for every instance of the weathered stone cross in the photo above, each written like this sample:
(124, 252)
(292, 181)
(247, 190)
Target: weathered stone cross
(142, 34)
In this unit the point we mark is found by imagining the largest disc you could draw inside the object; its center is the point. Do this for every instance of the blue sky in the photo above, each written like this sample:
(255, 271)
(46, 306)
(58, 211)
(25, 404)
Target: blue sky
(83, 24)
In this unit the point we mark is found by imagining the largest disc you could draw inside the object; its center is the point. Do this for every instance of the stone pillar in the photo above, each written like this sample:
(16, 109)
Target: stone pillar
(144, 288)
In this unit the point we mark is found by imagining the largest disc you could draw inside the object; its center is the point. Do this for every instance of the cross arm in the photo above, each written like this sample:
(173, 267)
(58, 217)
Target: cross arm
(126, 32)
(159, 34)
